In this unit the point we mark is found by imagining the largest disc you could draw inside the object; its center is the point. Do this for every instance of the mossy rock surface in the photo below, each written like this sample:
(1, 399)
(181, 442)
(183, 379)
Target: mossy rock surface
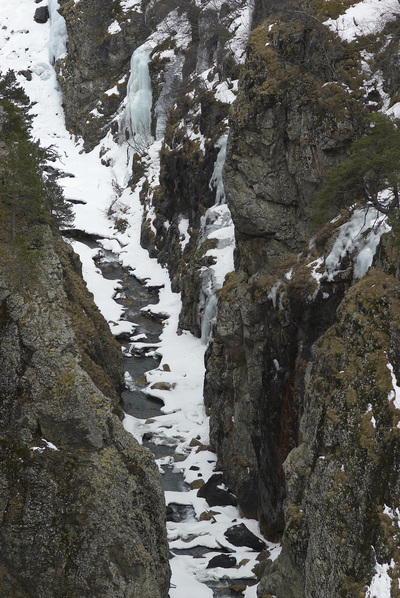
(84, 496)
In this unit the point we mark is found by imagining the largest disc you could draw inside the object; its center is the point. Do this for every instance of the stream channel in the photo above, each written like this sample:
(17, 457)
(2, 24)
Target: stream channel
(140, 356)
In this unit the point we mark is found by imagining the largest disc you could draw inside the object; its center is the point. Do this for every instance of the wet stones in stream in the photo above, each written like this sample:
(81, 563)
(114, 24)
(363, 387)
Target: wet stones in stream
(222, 560)
(177, 513)
(140, 356)
(216, 493)
(240, 535)
(229, 588)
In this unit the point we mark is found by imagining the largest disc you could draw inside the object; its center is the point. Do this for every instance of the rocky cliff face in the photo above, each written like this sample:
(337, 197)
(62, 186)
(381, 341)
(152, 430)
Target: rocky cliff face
(287, 126)
(93, 74)
(82, 512)
(194, 55)
(278, 321)
(343, 479)
(206, 71)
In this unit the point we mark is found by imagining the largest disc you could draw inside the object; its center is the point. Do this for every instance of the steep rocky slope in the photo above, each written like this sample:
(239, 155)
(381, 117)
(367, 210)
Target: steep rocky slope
(82, 511)
(290, 420)
(287, 127)
(97, 61)
(342, 481)
(81, 506)
(190, 53)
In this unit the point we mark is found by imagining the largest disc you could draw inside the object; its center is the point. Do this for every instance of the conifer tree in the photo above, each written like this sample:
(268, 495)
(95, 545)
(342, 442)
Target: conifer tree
(28, 196)
(370, 176)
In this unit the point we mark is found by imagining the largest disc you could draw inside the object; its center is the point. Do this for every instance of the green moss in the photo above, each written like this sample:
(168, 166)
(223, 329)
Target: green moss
(295, 516)
(138, 170)
(229, 286)
(100, 352)
(332, 416)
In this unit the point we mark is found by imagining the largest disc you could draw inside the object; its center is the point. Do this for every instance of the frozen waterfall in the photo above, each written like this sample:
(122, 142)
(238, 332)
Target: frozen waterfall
(58, 41)
(216, 179)
(136, 120)
(216, 224)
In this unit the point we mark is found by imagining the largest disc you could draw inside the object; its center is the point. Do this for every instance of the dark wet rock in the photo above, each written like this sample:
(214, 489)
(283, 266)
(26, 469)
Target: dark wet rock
(215, 492)
(27, 74)
(41, 14)
(222, 560)
(177, 512)
(240, 535)
(343, 479)
(282, 140)
(81, 505)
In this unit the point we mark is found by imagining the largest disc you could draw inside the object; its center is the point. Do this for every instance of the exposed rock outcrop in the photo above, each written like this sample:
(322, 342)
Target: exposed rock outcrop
(292, 120)
(287, 127)
(293, 344)
(82, 511)
(101, 38)
(254, 380)
(194, 66)
(204, 85)
(302, 368)
(341, 508)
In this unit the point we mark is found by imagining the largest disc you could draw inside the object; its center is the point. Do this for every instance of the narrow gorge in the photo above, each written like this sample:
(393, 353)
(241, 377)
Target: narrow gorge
(246, 439)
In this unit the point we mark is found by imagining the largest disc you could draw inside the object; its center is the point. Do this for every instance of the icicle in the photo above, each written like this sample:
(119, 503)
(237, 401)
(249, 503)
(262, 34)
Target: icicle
(58, 41)
(209, 318)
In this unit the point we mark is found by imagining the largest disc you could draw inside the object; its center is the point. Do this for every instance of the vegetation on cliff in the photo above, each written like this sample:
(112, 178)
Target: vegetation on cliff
(29, 197)
(81, 507)
(371, 173)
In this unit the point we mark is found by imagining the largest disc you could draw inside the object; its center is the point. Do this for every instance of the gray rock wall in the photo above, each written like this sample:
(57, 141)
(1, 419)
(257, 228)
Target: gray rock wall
(343, 479)
(287, 127)
(297, 384)
(82, 511)
(97, 61)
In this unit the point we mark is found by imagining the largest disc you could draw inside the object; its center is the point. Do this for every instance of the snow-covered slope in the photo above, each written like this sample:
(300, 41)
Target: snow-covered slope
(98, 185)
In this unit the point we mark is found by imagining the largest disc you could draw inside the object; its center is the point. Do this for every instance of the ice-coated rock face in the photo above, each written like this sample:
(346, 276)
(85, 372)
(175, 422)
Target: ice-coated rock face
(93, 74)
(81, 506)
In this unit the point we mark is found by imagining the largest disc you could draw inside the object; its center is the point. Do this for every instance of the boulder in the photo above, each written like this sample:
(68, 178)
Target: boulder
(41, 14)
(222, 560)
(240, 535)
(216, 493)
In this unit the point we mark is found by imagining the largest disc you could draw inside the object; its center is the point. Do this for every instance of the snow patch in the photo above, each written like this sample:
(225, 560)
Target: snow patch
(115, 27)
(381, 582)
(129, 4)
(364, 18)
(358, 237)
(41, 449)
(394, 395)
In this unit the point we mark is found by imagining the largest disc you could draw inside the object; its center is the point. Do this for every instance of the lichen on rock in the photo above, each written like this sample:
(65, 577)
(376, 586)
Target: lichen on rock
(343, 476)
(82, 509)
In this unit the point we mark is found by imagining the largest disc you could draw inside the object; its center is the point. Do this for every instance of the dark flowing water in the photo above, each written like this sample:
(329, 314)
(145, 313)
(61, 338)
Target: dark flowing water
(140, 356)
